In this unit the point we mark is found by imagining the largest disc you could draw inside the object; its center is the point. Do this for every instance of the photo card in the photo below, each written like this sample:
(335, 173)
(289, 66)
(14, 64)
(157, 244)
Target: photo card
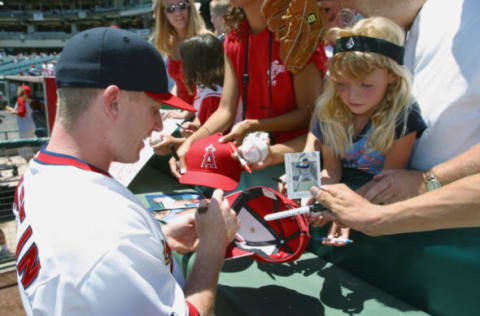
(169, 205)
(303, 172)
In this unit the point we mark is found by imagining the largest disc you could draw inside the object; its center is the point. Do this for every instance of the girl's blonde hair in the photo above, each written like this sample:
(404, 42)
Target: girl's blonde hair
(166, 37)
(335, 118)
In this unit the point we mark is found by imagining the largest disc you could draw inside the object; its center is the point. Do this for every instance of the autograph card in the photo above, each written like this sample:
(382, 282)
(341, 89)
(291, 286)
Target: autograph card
(303, 172)
(167, 206)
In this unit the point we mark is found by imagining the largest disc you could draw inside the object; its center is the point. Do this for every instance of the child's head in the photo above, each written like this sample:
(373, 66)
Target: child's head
(366, 78)
(218, 9)
(203, 62)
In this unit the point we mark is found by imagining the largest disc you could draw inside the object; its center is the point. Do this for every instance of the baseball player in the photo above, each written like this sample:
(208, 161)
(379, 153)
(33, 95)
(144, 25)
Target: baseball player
(305, 174)
(86, 245)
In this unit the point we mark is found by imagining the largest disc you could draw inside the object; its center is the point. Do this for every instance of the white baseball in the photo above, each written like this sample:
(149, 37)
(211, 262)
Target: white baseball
(254, 152)
(156, 138)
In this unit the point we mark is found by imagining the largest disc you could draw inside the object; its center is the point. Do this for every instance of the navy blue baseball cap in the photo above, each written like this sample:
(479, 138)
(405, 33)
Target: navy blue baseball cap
(103, 56)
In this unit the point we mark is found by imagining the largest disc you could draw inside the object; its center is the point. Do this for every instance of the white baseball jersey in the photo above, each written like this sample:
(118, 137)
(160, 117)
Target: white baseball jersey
(86, 245)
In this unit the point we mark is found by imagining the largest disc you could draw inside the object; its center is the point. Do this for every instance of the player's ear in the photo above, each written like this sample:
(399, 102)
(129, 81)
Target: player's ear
(111, 95)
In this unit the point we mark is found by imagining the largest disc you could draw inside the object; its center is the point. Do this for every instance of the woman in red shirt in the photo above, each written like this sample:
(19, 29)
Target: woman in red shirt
(277, 101)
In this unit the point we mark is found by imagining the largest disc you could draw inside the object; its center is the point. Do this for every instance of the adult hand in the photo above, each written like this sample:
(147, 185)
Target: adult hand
(181, 234)
(238, 132)
(332, 8)
(282, 186)
(217, 225)
(394, 185)
(178, 167)
(336, 5)
(163, 146)
(348, 208)
(176, 114)
(189, 128)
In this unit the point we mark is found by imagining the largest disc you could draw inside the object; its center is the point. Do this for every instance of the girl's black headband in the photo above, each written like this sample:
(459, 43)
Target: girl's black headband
(370, 44)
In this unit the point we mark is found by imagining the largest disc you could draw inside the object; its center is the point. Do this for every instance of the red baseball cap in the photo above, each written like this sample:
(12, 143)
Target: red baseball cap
(27, 90)
(281, 240)
(209, 163)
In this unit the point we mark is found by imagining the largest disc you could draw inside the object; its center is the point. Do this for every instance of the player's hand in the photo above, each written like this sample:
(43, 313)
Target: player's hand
(181, 233)
(238, 132)
(217, 225)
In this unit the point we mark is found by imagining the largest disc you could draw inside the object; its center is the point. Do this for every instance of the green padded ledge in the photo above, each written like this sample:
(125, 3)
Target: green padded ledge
(307, 286)
(16, 143)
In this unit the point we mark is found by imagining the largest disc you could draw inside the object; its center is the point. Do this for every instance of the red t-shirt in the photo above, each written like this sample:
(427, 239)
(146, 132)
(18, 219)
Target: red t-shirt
(258, 98)
(21, 108)
(206, 102)
(175, 70)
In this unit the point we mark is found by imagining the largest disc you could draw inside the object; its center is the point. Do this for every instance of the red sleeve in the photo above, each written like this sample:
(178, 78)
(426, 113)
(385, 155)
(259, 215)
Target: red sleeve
(21, 109)
(319, 57)
(207, 107)
(192, 310)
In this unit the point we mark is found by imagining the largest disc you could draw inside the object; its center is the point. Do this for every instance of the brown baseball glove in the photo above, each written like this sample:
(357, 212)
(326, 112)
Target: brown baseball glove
(305, 23)
(273, 11)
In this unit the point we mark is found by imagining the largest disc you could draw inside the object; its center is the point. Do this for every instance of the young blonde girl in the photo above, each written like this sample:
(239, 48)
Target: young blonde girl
(366, 119)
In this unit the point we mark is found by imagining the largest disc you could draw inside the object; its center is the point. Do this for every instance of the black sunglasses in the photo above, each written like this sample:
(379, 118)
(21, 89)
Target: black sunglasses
(180, 7)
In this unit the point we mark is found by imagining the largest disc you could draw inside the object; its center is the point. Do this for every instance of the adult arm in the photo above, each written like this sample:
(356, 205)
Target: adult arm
(307, 84)
(452, 206)
(219, 121)
(20, 109)
(401, 12)
(396, 185)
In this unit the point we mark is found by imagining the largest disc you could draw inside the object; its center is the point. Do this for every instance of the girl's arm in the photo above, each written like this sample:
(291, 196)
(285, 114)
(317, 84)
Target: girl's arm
(332, 166)
(398, 155)
(396, 158)
(307, 84)
(312, 143)
(219, 121)
(331, 173)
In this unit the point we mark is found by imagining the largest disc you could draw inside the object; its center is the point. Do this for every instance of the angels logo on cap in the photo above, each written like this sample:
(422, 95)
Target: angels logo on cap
(274, 241)
(210, 163)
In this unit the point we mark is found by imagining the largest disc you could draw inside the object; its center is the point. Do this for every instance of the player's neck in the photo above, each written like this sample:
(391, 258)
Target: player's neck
(78, 145)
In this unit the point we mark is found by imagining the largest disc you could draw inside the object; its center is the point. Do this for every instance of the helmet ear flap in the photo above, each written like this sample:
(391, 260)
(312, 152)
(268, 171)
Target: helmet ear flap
(281, 240)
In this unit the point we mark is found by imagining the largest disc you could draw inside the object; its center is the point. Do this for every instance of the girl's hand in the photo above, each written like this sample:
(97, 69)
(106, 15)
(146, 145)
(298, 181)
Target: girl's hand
(337, 231)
